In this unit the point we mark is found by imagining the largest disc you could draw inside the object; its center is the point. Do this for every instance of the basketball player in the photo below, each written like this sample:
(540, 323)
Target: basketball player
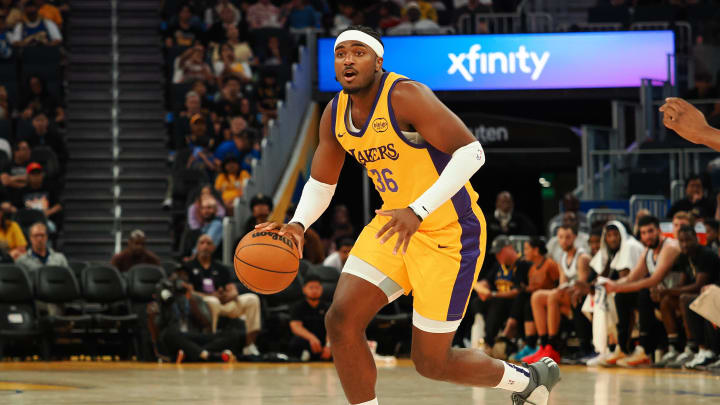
(428, 238)
(633, 290)
(683, 118)
(548, 305)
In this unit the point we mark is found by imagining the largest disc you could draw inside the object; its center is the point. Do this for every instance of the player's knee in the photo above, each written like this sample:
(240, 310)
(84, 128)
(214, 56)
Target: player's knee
(667, 303)
(336, 320)
(429, 366)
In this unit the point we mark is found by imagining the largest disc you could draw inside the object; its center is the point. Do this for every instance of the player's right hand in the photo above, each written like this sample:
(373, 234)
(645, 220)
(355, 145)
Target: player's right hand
(683, 118)
(296, 231)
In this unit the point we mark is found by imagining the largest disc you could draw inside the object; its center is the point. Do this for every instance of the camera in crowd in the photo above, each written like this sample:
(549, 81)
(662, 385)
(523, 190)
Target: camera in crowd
(167, 290)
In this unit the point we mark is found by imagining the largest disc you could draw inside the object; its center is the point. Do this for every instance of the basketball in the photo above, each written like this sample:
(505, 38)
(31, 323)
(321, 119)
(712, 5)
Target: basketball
(266, 262)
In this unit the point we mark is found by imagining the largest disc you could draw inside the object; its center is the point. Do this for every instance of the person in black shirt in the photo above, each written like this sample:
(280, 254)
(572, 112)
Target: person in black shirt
(695, 201)
(499, 286)
(211, 280)
(185, 31)
(711, 227)
(14, 174)
(506, 220)
(40, 194)
(697, 266)
(307, 323)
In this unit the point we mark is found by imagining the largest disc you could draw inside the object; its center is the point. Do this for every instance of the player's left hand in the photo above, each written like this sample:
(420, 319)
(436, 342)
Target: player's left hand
(404, 222)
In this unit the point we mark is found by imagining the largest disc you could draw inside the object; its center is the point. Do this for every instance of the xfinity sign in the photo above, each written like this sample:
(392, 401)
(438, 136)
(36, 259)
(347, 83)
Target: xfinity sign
(520, 61)
(473, 62)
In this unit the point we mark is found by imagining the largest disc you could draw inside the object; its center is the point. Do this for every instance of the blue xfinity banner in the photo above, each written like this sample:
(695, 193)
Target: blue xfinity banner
(520, 61)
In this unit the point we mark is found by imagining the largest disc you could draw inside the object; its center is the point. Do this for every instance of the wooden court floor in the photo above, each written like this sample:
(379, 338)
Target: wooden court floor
(116, 383)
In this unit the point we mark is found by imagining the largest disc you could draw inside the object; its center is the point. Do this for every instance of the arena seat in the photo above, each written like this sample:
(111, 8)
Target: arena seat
(141, 280)
(18, 313)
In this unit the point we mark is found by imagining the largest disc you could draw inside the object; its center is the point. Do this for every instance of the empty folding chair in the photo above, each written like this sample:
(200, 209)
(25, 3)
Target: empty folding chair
(18, 314)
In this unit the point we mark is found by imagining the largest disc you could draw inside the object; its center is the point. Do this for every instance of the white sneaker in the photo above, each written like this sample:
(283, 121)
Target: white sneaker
(703, 358)
(305, 356)
(671, 355)
(251, 350)
(599, 360)
(683, 358)
(636, 359)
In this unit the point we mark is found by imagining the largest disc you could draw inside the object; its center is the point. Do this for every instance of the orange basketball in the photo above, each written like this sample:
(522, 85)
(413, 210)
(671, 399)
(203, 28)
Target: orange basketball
(266, 262)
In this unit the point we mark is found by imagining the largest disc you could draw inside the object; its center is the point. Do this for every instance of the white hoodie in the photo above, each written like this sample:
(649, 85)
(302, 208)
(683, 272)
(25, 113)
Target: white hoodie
(627, 256)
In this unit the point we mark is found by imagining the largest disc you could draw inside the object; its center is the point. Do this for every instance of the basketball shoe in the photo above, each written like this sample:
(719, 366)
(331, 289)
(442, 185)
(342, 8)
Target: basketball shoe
(668, 357)
(704, 357)
(614, 357)
(544, 374)
(636, 359)
(545, 351)
(526, 351)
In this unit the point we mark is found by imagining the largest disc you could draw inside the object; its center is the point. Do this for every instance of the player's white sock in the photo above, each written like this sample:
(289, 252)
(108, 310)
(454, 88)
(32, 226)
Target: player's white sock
(371, 402)
(515, 378)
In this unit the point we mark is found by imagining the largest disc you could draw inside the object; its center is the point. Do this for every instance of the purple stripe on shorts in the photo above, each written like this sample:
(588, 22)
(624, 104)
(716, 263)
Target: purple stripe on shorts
(469, 238)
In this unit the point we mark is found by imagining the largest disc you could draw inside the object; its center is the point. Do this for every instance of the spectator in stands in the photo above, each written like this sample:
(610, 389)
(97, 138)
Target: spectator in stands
(212, 280)
(465, 18)
(193, 103)
(37, 99)
(229, 16)
(230, 182)
(619, 252)
(301, 14)
(415, 21)
(389, 15)
(499, 286)
(238, 144)
(44, 134)
(11, 234)
(343, 19)
(40, 254)
(704, 89)
(679, 219)
(35, 30)
(194, 219)
(186, 31)
(427, 11)
(214, 14)
(191, 66)
(313, 248)
(337, 259)
(695, 200)
(248, 113)
(506, 220)
(340, 224)
(200, 156)
(181, 321)
(570, 204)
(260, 206)
(307, 323)
(10, 13)
(711, 240)
(227, 103)
(548, 306)
(228, 66)
(210, 222)
(698, 266)
(267, 95)
(14, 175)
(135, 253)
(241, 49)
(200, 89)
(41, 194)
(633, 291)
(264, 14)
(555, 251)
(49, 12)
(6, 52)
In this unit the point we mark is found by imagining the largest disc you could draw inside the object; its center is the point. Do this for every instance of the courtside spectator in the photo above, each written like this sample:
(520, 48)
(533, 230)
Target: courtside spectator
(499, 286)
(185, 31)
(465, 18)
(337, 259)
(307, 323)
(230, 182)
(711, 238)
(44, 134)
(37, 99)
(415, 22)
(10, 13)
(212, 280)
(35, 30)
(506, 221)
(191, 66)
(695, 200)
(11, 234)
(41, 194)
(134, 253)
(570, 204)
(633, 291)
(40, 254)
(264, 14)
(260, 206)
(698, 266)
(14, 175)
(49, 12)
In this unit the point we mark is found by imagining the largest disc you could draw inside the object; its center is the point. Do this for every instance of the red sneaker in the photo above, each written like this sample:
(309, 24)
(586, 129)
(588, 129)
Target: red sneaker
(552, 353)
(536, 356)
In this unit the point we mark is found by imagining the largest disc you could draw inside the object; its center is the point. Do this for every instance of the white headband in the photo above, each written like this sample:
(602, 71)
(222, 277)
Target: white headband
(359, 36)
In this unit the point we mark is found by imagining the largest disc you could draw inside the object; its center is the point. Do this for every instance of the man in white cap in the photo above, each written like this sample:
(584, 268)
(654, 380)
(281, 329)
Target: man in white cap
(429, 237)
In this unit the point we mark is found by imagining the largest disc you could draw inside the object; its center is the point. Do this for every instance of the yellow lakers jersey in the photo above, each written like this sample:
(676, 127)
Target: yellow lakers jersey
(400, 168)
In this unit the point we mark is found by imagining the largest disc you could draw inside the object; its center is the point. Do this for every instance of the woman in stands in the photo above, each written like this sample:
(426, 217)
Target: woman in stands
(11, 235)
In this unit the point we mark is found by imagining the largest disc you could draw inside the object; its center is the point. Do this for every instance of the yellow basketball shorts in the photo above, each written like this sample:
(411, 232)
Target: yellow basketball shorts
(439, 268)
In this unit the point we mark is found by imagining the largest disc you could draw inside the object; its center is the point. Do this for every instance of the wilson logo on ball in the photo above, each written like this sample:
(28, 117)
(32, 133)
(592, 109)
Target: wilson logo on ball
(274, 236)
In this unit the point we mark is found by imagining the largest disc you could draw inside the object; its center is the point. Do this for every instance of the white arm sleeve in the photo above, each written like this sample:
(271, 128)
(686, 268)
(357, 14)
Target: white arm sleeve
(314, 201)
(464, 163)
